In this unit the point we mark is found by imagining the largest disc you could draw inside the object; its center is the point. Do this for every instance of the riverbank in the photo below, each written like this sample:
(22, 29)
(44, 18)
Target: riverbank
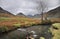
(55, 29)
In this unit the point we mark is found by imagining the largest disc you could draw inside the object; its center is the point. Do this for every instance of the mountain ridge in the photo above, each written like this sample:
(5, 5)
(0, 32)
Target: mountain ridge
(4, 13)
(55, 13)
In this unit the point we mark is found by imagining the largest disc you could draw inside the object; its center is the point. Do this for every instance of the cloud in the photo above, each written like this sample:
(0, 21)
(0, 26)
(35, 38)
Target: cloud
(27, 6)
(53, 3)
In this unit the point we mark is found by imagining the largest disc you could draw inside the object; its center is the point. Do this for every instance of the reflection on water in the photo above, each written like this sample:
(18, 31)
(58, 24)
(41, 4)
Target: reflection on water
(34, 31)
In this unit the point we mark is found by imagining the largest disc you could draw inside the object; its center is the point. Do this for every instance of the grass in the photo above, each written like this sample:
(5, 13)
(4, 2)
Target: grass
(55, 20)
(57, 25)
(15, 22)
(3, 29)
(17, 25)
(55, 32)
(7, 24)
(4, 19)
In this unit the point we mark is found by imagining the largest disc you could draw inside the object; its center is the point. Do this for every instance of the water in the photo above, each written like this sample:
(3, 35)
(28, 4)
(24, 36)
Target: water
(35, 31)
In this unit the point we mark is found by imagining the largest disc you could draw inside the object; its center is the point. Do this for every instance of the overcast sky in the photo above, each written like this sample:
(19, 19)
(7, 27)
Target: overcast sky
(28, 6)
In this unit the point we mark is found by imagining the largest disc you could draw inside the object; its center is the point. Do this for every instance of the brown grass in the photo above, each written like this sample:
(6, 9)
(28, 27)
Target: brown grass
(15, 22)
(55, 20)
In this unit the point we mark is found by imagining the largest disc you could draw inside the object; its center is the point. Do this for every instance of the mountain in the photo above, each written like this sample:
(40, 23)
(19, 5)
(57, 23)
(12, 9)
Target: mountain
(21, 15)
(37, 16)
(34, 16)
(55, 13)
(30, 16)
(4, 13)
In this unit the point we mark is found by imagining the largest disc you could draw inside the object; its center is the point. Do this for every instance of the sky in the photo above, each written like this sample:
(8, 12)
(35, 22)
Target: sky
(28, 6)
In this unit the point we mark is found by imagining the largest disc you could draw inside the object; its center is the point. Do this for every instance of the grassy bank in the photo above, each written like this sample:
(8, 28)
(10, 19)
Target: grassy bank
(56, 30)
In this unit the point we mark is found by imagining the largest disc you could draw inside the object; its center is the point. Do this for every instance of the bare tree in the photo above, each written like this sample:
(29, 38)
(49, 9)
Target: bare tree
(43, 7)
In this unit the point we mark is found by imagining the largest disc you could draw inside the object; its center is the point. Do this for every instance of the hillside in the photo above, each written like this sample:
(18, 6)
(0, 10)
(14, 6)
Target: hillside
(4, 13)
(55, 13)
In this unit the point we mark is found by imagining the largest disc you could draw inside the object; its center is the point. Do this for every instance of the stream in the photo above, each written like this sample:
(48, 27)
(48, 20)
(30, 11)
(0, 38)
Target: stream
(34, 31)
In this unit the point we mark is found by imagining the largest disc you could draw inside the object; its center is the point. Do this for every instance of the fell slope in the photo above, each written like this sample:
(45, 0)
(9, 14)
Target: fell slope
(4, 13)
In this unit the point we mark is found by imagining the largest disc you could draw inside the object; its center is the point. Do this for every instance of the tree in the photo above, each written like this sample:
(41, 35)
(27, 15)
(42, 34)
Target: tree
(43, 7)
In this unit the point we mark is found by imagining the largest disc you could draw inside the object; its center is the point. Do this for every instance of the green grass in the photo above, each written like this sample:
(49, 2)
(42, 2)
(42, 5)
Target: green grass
(56, 25)
(55, 32)
(17, 25)
(4, 18)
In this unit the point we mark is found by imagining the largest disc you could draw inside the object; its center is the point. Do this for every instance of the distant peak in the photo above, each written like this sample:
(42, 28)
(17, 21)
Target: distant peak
(20, 13)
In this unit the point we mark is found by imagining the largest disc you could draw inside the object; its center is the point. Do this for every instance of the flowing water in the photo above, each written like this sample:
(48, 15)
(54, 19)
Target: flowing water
(35, 31)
